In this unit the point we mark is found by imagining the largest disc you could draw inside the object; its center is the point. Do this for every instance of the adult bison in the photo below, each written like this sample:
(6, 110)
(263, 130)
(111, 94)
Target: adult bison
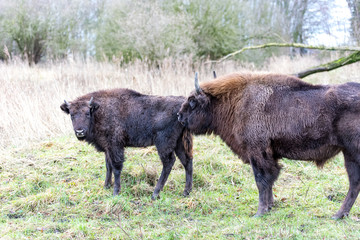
(114, 119)
(265, 117)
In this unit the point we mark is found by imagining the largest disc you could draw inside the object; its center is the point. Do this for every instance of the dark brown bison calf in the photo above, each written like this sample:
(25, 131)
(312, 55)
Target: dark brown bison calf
(265, 117)
(114, 119)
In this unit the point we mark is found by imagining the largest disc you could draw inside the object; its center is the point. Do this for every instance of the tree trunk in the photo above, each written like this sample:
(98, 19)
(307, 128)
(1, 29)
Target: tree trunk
(354, 6)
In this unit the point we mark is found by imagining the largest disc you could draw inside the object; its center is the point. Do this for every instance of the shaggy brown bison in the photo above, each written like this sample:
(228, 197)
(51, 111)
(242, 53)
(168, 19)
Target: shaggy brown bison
(114, 119)
(265, 117)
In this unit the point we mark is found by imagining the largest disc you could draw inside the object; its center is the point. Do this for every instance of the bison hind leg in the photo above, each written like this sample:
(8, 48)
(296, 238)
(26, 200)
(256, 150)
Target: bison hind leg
(353, 170)
(266, 171)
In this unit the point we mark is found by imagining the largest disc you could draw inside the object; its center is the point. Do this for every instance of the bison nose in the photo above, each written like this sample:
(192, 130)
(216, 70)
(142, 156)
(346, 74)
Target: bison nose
(179, 115)
(180, 119)
(80, 132)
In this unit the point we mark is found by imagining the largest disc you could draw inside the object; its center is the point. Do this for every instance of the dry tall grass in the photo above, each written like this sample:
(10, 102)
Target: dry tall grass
(31, 96)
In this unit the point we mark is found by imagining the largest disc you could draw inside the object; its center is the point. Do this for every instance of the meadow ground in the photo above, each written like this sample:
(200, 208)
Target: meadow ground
(54, 190)
(51, 185)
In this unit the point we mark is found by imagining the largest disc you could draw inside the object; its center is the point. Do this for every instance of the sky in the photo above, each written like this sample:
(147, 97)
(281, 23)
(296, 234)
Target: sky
(340, 25)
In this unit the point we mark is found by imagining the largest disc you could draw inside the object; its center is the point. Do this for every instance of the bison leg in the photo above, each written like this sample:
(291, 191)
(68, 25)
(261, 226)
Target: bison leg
(353, 170)
(187, 162)
(168, 161)
(117, 160)
(108, 180)
(266, 172)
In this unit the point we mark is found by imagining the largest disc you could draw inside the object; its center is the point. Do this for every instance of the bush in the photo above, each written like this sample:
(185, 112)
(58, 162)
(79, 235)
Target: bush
(48, 29)
(216, 27)
(28, 28)
(142, 30)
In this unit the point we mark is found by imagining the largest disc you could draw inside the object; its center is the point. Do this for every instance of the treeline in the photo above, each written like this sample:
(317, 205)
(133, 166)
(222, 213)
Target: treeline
(151, 30)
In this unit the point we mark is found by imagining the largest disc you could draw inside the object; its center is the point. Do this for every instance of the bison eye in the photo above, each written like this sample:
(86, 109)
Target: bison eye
(192, 103)
(87, 114)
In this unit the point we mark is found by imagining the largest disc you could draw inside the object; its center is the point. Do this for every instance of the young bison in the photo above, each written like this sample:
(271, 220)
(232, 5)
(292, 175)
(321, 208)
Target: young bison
(265, 117)
(114, 119)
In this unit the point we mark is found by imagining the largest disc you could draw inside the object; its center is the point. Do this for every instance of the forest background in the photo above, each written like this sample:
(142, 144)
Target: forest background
(124, 31)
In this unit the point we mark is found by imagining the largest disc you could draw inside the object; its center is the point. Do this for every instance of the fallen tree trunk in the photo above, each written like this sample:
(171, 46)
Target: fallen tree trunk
(295, 45)
(352, 58)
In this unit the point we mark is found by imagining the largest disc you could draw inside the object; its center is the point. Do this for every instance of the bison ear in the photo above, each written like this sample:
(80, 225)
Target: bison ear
(65, 107)
(94, 106)
(192, 103)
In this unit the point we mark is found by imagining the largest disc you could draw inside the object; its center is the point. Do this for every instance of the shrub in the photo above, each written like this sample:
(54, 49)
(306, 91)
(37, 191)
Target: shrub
(142, 30)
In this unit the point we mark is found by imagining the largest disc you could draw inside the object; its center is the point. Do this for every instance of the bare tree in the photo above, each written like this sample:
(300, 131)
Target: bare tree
(354, 6)
(303, 18)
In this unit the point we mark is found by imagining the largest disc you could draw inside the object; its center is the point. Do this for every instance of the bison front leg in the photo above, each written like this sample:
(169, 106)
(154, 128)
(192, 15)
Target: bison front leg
(353, 169)
(117, 160)
(108, 178)
(168, 161)
(265, 173)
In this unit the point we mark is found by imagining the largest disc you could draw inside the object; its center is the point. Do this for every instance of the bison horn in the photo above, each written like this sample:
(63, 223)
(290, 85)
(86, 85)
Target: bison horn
(197, 86)
(214, 73)
(67, 104)
(91, 99)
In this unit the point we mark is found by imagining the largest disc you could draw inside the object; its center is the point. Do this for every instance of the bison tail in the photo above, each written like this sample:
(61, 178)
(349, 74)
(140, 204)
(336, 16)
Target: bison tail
(187, 141)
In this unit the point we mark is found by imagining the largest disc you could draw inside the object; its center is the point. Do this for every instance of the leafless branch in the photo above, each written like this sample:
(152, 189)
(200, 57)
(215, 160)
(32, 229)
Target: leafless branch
(296, 45)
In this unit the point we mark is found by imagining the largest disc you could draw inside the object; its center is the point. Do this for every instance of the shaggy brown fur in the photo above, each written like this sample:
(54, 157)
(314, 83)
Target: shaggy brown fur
(114, 119)
(265, 117)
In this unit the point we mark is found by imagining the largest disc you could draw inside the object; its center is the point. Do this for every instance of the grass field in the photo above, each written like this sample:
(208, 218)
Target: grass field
(51, 185)
(54, 190)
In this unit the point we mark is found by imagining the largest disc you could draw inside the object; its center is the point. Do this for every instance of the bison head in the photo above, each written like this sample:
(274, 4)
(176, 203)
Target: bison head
(195, 112)
(81, 113)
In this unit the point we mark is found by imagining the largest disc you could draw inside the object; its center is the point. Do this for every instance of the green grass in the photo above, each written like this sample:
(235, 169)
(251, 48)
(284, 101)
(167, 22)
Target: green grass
(54, 190)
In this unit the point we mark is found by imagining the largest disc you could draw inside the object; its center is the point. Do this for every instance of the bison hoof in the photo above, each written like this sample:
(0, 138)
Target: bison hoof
(339, 216)
(155, 197)
(116, 192)
(258, 215)
(107, 186)
(261, 212)
(186, 193)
